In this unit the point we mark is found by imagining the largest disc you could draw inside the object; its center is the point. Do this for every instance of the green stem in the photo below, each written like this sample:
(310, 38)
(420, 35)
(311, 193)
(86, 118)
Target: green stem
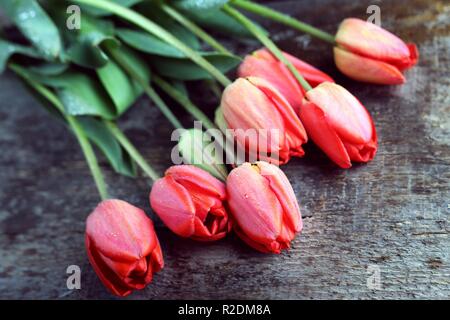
(184, 101)
(284, 19)
(162, 106)
(132, 151)
(76, 128)
(247, 23)
(159, 32)
(194, 29)
(90, 157)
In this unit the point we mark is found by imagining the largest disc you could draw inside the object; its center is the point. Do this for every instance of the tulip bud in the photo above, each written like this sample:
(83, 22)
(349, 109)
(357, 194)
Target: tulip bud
(263, 64)
(122, 246)
(264, 123)
(190, 202)
(195, 147)
(367, 52)
(264, 206)
(339, 124)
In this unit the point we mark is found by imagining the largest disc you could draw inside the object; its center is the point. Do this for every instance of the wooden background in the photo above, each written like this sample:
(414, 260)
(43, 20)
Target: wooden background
(392, 213)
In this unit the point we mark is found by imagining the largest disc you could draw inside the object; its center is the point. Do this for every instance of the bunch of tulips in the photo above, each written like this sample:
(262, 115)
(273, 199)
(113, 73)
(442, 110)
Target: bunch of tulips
(273, 90)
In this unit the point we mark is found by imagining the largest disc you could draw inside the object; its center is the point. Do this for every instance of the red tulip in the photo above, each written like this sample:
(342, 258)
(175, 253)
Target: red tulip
(190, 202)
(264, 206)
(263, 64)
(122, 246)
(366, 52)
(339, 124)
(253, 105)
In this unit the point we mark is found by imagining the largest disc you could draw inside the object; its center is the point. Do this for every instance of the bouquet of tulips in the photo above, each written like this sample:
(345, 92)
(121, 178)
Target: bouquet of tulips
(89, 72)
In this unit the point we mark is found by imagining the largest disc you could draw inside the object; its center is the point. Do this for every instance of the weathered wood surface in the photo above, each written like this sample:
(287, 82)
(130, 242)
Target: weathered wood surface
(392, 213)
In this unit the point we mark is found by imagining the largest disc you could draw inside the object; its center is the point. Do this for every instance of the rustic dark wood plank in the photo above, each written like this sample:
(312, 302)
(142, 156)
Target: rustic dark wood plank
(392, 213)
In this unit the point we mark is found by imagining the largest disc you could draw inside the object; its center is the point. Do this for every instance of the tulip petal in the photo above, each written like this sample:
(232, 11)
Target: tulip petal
(311, 74)
(369, 40)
(345, 113)
(281, 187)
(214, 231)
(121, 231)
(156, 259)
(366, 69)
(174, 205)
(286, 236)
(257, 124)
(323, 134)
(208, 194)
(189, 200)
(140, 275)
(264, 65)
(294, 130)
(254, 206)
(121, 268)
(206, 191)
(107, 276)
(199, 179)
(413, 56)
(271, 247)
(365, 152)
(120, 242)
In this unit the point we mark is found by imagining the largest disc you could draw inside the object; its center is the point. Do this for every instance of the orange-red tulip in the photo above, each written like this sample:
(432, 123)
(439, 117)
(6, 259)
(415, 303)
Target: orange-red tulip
(263, 64)
(122, 246)
(264, 206)
(367, 52)
(190, 202)
(339, 124)
(253, 104)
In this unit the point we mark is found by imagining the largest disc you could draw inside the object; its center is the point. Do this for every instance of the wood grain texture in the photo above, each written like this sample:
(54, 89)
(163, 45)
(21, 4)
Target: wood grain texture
(392, 213)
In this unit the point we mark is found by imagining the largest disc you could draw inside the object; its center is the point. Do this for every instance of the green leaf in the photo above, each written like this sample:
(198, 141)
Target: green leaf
(99, 134)
(7, 49)
(153, 12)
(148, 43)
(184, 69)
(85, 49)
(208, 14)
(87, 52)
(100, 13)
(199, 4)
(35, 25)
(135, 62)
(50, 68)
(80, 94)
(94, 129)
(121, 88)
(198, 149)
(155, 29)
(80, 100)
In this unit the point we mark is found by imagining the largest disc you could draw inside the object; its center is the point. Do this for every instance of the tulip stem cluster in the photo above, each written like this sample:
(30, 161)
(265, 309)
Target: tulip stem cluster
(156, 30)
(247, 23)
(86, 147)
(284, 19)
(132, 151)
(195, 29)
(176, 94)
